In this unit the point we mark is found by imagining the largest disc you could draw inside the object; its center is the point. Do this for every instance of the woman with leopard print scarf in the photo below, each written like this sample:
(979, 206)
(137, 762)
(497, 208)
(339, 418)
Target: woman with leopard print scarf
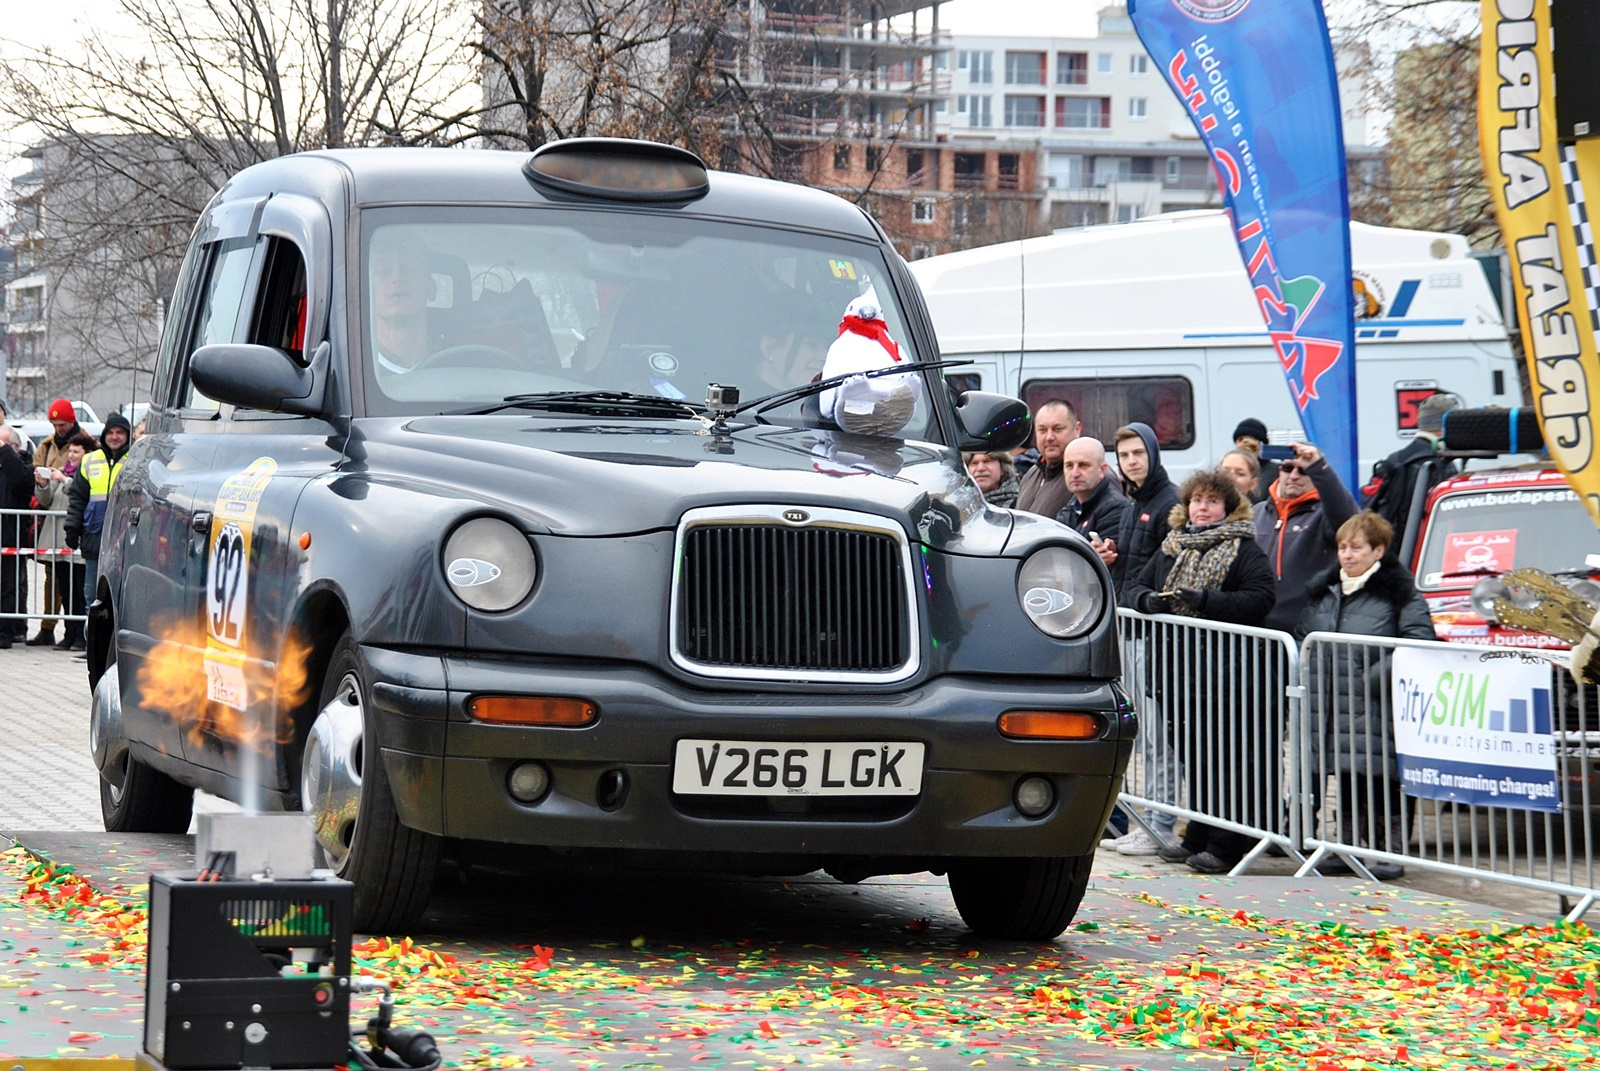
(1210, 567)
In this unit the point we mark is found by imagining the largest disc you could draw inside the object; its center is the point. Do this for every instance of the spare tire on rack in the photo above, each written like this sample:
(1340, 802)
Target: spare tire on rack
(1493, 430)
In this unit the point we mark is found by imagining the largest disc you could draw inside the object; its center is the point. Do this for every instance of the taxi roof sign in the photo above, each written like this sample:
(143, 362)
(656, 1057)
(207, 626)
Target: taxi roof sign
(619, 169)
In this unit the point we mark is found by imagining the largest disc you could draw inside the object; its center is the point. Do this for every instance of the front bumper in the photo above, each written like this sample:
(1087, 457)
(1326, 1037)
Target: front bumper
(449, 773)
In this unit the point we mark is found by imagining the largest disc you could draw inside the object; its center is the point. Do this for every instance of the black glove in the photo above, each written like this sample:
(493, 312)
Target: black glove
(1149, 602)
(72, 541)
(1190, 597)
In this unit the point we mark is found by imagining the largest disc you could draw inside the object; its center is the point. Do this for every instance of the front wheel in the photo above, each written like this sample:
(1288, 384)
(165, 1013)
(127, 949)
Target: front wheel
(1020, 899)
(344, 787)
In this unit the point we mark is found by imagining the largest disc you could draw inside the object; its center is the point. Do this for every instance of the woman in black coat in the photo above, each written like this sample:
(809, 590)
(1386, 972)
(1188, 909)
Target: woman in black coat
(1210, 567)
(1367, 594)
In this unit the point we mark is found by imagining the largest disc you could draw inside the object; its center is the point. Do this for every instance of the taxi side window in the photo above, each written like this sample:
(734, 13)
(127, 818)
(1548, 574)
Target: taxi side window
(279, 319)
(217, 315)
(171, 335)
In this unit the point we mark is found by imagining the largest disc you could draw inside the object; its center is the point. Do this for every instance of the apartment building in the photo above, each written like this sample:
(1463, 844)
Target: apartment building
(25, 340)
(1113, 142)
(85, 291)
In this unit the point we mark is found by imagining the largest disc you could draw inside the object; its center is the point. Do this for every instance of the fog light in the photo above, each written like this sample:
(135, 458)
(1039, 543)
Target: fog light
(1034, 796)
(528, 782)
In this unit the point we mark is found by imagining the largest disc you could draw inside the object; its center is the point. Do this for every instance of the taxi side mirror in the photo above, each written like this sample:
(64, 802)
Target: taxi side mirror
(992, 422)
(261, 377)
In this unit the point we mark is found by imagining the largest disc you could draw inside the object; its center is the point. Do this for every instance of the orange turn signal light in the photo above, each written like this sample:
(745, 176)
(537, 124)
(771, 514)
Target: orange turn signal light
(533, 710)
(1049, 725)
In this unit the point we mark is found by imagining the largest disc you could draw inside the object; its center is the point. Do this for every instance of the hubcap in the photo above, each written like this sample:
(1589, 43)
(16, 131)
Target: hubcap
(107, 741)
(330, 772)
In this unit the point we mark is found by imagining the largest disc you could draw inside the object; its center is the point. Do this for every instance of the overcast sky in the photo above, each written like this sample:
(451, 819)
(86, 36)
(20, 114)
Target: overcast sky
(53, 20)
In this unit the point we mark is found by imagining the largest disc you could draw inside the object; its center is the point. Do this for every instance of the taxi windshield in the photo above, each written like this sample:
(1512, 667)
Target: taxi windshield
(470, 306)
(1473, 534)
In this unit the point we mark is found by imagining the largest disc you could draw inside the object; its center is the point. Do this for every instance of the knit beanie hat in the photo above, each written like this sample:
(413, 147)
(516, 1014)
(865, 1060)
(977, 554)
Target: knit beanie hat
(61, 409)
(1252, 427)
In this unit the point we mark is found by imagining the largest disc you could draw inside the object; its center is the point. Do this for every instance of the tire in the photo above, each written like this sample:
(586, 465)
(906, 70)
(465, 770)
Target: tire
(135, 798)
(1020, 899)
(344, 787)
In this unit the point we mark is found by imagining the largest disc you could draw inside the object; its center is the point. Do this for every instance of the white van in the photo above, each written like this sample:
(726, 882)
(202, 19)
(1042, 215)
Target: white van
(1155, 321)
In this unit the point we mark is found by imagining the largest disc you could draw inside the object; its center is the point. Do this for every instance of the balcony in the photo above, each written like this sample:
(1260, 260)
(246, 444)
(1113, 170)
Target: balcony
(830, 27)
(26, 363)
(815, 77)
(812, 126)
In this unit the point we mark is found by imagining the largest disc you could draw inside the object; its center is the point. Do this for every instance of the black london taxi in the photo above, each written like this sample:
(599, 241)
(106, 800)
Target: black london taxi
(486, 500)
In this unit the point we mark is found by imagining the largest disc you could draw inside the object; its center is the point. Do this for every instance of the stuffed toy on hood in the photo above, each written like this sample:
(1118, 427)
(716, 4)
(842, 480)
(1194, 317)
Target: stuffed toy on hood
(879, 405)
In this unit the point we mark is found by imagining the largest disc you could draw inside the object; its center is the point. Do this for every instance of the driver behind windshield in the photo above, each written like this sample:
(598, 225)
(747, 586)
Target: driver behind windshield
(402, 285)
(794, 343)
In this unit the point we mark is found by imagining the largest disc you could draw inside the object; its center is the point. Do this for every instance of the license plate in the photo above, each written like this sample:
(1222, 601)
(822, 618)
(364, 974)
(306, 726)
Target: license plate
(768, 768)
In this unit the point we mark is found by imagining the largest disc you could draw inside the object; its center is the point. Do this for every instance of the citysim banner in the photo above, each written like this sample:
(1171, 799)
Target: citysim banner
(1475, 727)
(1536, 186)
(1257, 78)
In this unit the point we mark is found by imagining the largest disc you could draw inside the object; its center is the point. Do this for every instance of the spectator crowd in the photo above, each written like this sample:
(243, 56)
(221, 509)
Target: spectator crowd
(1269, 537)
(52, 502)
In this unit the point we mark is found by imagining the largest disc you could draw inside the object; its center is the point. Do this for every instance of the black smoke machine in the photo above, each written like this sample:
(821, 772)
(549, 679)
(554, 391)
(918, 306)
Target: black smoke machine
(249, 960)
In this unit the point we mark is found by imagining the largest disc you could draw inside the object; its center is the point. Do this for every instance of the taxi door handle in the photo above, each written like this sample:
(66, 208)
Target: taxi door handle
(133, 514)
(202, 521)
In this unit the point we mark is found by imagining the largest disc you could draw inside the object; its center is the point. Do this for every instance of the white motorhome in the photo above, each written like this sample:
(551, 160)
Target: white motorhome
(1155, 320)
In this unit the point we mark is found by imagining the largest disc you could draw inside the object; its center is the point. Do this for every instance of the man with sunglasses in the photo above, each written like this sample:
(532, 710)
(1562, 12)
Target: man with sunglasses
(1305, 506)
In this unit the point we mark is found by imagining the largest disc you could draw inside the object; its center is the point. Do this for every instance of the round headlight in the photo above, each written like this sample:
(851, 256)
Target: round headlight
(489, 564)
(1060, 592)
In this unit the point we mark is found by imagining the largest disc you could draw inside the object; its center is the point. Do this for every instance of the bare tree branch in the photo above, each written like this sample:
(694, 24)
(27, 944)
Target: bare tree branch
(134, 136)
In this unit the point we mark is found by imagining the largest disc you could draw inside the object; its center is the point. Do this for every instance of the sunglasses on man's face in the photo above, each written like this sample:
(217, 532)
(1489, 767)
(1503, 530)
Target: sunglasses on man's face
(1290, 467)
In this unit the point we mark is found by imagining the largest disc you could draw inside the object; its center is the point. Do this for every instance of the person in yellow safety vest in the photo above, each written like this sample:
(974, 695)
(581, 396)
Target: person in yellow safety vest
(86, 498)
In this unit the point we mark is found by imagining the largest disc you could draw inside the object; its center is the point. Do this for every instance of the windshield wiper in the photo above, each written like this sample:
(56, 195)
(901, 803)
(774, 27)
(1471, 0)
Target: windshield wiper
(1476, 570)
(619, 402)
(771, 401)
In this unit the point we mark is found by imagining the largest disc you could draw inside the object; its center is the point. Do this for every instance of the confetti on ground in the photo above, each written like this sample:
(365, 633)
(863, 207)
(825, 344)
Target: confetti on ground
(1258, 991)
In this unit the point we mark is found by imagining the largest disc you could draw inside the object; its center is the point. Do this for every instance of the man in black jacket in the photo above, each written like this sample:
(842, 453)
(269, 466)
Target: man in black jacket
(1152, 497)
(16, 492)
(86, 498)
(1400, 483)
(1144, 525)
(1097, 504)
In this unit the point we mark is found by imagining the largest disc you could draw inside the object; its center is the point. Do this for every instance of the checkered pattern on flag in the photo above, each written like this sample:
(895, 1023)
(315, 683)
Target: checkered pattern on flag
(1582, 231)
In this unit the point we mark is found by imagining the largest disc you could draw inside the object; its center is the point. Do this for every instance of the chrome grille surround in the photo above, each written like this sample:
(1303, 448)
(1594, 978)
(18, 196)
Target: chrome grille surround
(759, 540)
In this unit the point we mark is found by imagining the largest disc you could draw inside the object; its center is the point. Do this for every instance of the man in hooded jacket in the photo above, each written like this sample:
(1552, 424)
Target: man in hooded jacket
(1145, 482)
(1136, 540)
(87, 497)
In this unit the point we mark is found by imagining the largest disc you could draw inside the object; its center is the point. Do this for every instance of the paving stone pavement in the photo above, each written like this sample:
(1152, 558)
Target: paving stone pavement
(48, 781)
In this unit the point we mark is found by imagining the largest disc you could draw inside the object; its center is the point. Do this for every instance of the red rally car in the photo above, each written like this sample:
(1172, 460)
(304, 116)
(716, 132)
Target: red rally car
(1484, 523)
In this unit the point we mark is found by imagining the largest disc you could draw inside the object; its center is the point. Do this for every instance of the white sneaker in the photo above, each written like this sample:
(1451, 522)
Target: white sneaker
(1137, 843)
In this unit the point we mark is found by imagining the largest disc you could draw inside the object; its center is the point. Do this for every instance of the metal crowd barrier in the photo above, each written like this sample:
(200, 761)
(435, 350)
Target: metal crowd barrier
(34, 563)
(1215, 727)
(1355, 808)
(1237, 731)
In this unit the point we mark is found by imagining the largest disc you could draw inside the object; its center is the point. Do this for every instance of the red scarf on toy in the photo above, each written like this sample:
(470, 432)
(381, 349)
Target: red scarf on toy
(874, 329)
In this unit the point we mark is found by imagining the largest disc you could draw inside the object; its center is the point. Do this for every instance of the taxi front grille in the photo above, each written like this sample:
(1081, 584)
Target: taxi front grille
(778, 598)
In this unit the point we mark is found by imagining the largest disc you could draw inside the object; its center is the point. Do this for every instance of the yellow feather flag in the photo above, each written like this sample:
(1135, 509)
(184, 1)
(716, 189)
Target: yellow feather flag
(1522, 162)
